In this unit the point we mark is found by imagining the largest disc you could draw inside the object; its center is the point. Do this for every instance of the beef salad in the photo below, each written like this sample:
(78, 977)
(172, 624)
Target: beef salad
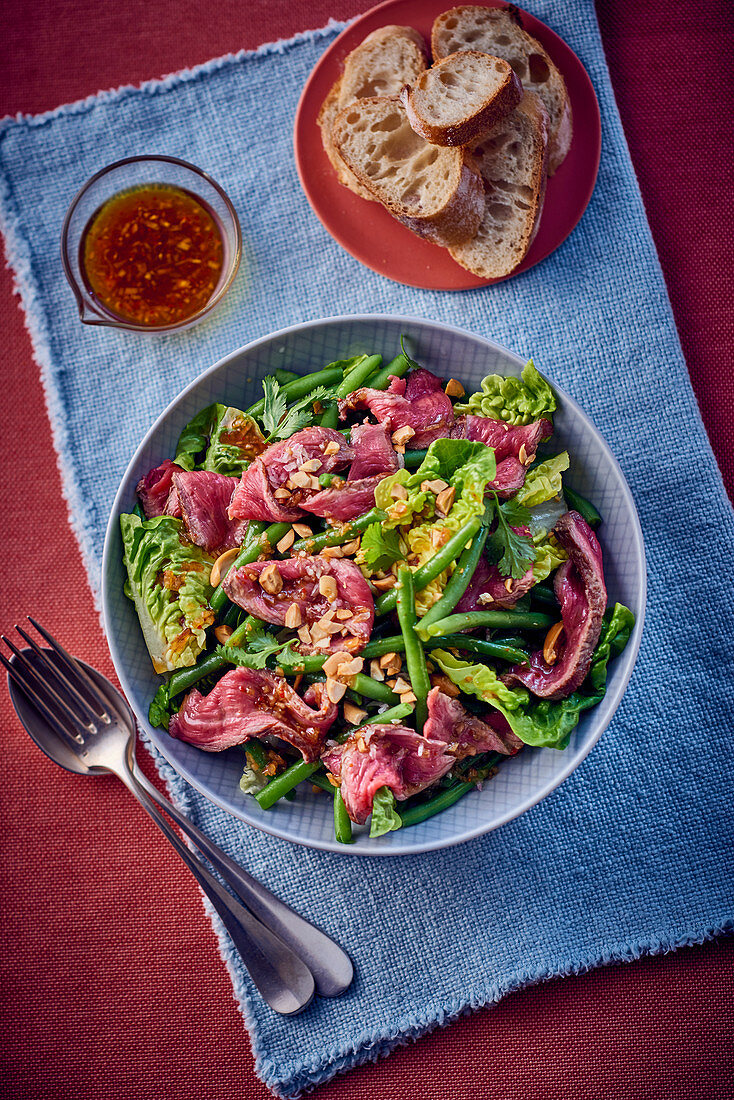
(377, 585)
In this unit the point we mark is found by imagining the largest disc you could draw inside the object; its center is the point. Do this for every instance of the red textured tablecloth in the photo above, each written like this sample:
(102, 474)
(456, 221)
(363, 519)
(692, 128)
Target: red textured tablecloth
(111, 985)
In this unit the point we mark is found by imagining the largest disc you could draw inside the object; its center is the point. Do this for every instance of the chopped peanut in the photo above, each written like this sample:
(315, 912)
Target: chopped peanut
(304, 634)
(293, 617)
(402, 435)
(334, 661)
(329, 552)
(361, 744)
(333, 780)
(445, 500)
(351, 668)
(331, 448)
(311, 465)
(439, 537)
(436, 486)
(350, 548)
(401, 686)
(522, 454)
(448, 687)
(221, 566)
(354, 715)
(286, 542)
(282, 494)
(335, 690)
(384, 584)
(508, 584)
(271, 580)
(222, 633)
(454, 388)
(343, 613)
(375, 671)
(302, 529)
(407, 697)
(328, 587)
(399, 492)
(300, 480)
(387, 659)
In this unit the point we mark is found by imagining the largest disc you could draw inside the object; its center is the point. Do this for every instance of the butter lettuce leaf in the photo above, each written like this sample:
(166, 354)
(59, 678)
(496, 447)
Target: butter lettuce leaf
(549, 554)
(385, 817)
(514, 400)
(542, 722)
(168, 581)
(234, 442)
(544, 481)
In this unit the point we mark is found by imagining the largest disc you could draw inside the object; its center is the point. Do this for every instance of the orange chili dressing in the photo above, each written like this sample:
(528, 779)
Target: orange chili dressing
(152, 255)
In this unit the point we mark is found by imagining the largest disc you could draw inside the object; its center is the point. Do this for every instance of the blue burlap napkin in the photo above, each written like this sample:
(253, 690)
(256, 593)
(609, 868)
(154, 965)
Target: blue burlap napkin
(632, 853)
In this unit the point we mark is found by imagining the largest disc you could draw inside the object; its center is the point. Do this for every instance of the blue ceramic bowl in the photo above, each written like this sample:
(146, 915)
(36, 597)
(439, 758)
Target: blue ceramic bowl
(522, 781)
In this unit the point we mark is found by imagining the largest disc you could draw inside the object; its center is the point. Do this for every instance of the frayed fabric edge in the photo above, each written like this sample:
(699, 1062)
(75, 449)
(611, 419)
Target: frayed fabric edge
(401, 1034)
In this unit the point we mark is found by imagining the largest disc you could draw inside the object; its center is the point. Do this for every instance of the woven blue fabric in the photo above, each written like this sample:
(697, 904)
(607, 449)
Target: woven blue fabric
(632, 853)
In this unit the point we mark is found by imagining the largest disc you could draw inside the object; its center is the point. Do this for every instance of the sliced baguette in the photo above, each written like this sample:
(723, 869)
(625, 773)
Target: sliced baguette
(386, 60)
(461, 97)
(432, 190)
(513, 161)
(498, 31)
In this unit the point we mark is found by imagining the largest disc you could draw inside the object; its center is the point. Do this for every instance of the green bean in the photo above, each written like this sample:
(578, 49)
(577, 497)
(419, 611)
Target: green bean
(458, 582)
(300, 387)
(282, 377)
(543, 594)
(402, 710)
(251, 551)
(138, 511)
(244, 630)
(583, 506)
(184, 678)
(335, 536)
(414, 458)
(395, 369)
(357, 376)
(413, 815)
(320, 780)
(330, 417)
(373, 689)
(258, 752)
(443, 557)
(505, 651)
(231, 615)
(523, 620)
(342, 823)
(415, 658)
(285, 782)
(512, 654)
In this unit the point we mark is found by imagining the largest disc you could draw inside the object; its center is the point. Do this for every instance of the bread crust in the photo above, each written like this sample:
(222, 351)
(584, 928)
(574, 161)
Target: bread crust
(327, 114)
(459, 216)
(481, 255)
(473, 125)
(552, 90)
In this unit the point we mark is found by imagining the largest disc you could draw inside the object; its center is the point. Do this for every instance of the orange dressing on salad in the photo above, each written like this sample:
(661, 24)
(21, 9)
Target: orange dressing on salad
(152, 255)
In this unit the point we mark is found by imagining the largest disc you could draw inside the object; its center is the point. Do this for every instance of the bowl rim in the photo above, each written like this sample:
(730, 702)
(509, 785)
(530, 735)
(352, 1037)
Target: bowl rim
(86, 304)
(612, 700)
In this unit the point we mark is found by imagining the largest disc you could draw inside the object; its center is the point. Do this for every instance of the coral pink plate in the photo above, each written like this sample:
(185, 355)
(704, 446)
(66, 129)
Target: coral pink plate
(368, 232)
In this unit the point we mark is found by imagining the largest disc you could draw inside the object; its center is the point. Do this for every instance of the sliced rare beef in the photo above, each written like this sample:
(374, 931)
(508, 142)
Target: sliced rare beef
(489, 589)
(507, 441)
(463, 733)
(418, 403)
(580, 590)
(155, 489)
(399, 758)
(250, 702)
(277, 484)
(384, 756)
(327, 601)
(203, 499)
(374, 458)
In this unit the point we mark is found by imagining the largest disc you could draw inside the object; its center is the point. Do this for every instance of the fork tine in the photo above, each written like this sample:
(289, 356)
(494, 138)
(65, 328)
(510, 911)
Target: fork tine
(42, 707)
(46, 689)
(82, 679)
(62, 679)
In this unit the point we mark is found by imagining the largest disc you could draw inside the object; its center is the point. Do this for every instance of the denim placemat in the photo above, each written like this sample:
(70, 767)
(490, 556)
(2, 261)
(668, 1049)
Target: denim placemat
(633, 853)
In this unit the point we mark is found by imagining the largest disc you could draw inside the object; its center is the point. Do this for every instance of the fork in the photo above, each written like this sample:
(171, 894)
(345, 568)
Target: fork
(85, 725)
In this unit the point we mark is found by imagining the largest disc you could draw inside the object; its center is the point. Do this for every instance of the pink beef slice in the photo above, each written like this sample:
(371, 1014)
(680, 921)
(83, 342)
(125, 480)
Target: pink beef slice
(384, 756)
(155, 489)
(487, 587)
(250, 702)
(254, 496)
(418, 403)
(300, 578)
(581, 593)
(374, 458)
(505, 440)
(463, 733)
(203, 499)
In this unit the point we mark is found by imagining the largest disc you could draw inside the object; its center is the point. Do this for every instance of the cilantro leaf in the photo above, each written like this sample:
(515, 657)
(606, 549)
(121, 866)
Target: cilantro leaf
(161, 708)
(517, 551)
(262, 651)
(275, 404)
(380, 547)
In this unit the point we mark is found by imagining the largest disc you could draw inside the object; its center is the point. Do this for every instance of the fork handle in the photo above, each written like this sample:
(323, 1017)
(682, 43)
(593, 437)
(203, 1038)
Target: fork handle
(330, 965)
(284, 980)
